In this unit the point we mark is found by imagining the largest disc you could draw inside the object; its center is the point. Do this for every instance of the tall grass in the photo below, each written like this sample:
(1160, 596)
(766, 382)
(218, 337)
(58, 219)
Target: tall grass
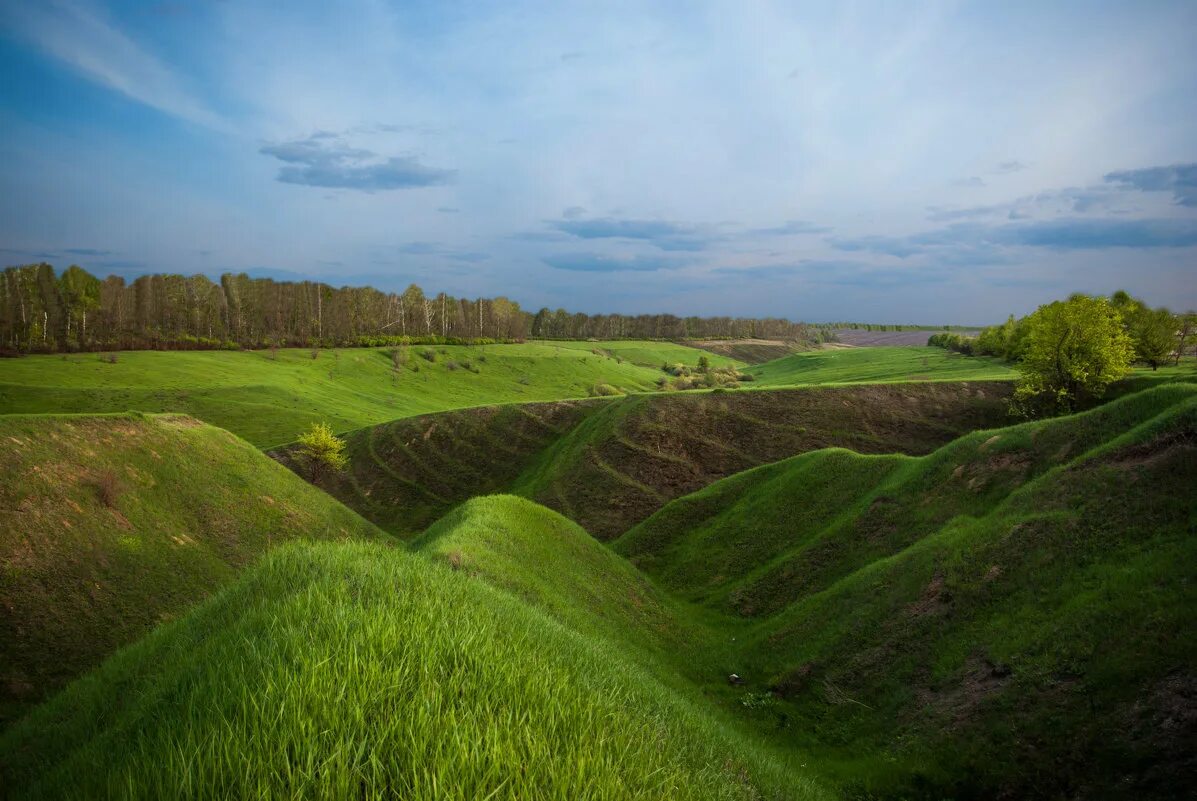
(357, 671)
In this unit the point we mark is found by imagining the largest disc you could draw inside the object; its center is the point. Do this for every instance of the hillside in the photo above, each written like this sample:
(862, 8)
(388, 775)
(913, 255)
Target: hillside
(1003, 617)
(269, 399)
(748, 351)
(607, 464)
(877, 365)
(648, 353)
(335, 671)
(110, 525)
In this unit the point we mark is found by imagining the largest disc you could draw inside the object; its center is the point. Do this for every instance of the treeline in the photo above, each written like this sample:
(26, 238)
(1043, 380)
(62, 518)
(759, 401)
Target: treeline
(44, 312)
(1156, 334)
(895, 327)
(561, 324)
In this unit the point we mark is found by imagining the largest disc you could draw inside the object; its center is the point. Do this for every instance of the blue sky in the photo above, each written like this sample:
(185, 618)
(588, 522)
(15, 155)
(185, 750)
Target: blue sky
(931, 162)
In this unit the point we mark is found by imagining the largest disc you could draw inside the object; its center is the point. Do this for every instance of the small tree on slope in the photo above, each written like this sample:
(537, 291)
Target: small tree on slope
(1075, 349)
(322, 451)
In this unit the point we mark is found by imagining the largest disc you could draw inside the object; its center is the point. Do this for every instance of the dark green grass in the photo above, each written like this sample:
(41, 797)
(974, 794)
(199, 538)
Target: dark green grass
(355, 671)
(83, 574)
(1005, 616)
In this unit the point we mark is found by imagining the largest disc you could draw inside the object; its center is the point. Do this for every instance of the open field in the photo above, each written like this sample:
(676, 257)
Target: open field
(882, 364)
(871, 339)
(647, 354)
(270, 401)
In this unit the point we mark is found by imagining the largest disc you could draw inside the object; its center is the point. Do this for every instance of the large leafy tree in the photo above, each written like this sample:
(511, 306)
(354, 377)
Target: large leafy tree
(1074, 350)
(1153, 331)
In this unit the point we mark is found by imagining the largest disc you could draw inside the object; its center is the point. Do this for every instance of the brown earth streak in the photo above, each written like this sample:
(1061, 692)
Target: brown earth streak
(751, 351)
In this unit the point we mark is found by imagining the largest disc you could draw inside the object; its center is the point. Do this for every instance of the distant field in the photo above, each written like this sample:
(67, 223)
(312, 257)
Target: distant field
(863, 338)
(648, 354)
(750, 351)
(269, 401)
(878, 365)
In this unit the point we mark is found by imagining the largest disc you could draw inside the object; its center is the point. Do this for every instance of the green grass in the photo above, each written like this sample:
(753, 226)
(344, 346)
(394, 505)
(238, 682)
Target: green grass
(1005, 616)
(356, 671)
(648, 354)
(270, 401)
(878, 365)
(189, 506)
(608, 464)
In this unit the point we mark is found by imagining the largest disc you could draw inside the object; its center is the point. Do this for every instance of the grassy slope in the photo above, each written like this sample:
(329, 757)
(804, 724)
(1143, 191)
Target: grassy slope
(607, 464)
(335, 671)
(749, 351)
(647, 354)
(81, 578)
(882, 364)
(1007, 614)
(270, 401)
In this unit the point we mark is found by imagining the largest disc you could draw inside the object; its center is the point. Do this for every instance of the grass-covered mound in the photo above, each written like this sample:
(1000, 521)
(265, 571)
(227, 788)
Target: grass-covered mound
(111, 524)
(358, 671)
(552, 563)
(1009, 615)
(878, 365)
(270, 398)
(609, 464)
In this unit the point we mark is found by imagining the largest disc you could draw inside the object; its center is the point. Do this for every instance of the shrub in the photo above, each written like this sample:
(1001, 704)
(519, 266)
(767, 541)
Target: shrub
(108, 358)
(322, 451)
(604, 390)
(428, 354)
(451, 366)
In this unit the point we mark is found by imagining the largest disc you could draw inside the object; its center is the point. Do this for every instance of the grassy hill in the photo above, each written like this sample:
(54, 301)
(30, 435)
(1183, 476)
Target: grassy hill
(270, 400)
(609, 464)
(651, 354)
(352, 670)
(880, 364)
(1006, 616)
(112, 524)
(749, 351)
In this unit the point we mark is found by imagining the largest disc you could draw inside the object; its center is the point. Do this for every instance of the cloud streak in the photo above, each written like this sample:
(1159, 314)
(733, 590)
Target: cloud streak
(605, 263)
(79, 36)
(324, 160)
(1179, 179)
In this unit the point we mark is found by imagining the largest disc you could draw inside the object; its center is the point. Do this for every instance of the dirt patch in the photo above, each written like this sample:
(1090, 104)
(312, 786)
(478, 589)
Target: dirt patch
(933, 600)
(750, 351)
(959, 701)
(1147, 453)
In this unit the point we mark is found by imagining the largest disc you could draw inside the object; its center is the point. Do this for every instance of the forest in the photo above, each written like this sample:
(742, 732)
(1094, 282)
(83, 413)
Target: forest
(42, 311)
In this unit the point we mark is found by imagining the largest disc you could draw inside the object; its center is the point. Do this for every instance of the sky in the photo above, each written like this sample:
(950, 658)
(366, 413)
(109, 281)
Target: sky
(884, 162)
